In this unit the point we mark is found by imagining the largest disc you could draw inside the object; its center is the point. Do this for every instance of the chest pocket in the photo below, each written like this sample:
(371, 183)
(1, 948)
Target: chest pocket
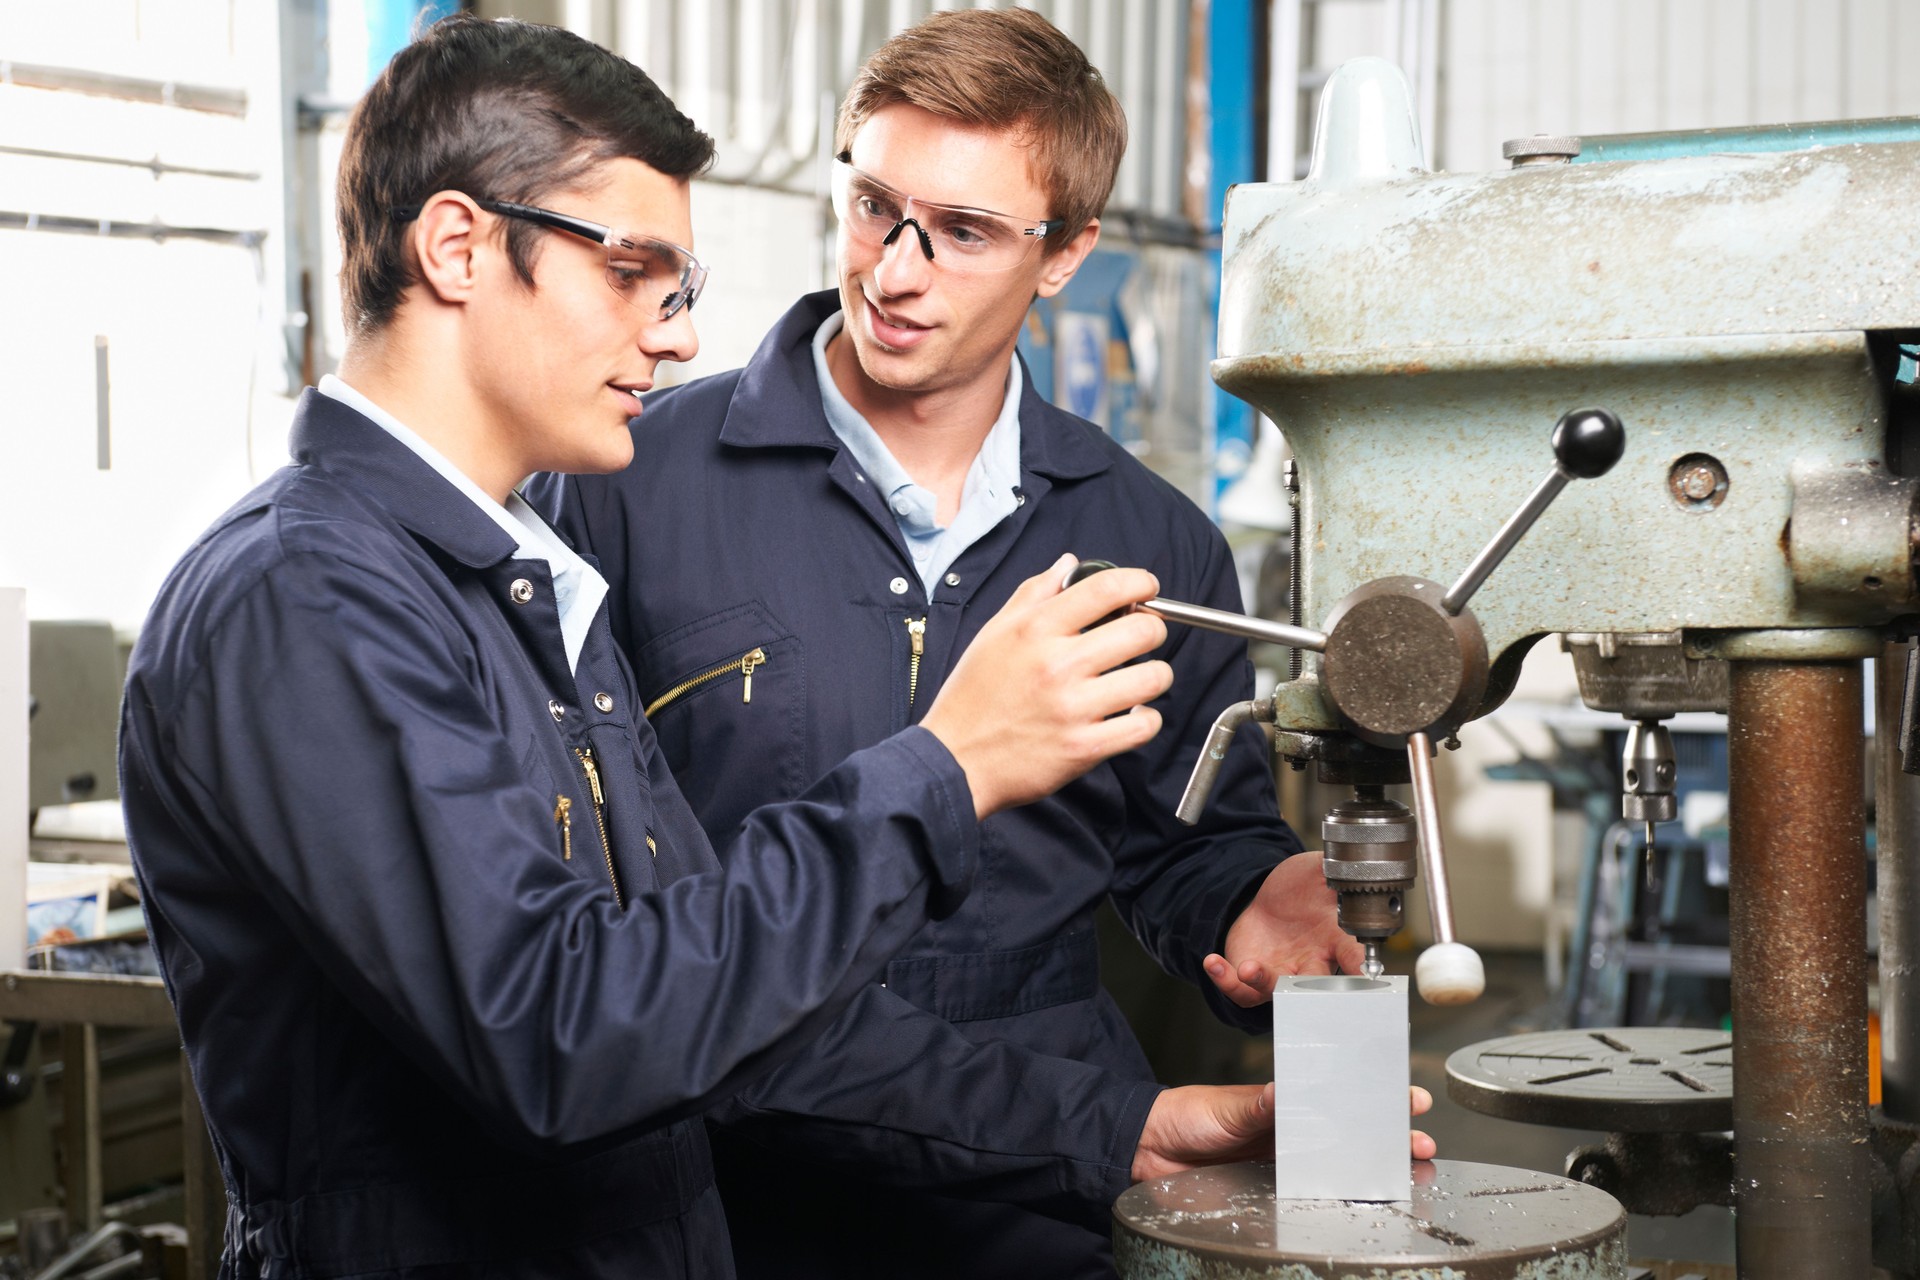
(727, 697)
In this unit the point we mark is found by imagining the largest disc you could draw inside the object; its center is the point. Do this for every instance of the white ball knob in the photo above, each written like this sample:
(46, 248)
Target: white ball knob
(1450, 973)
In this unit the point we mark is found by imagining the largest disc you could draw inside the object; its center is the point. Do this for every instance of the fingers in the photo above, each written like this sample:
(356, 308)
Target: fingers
(1233, 986)
(1088, 601)
(1248, 1111)
(1352, 956)
(1111, 643)
(1043, 585)
(1316, 965)
(1422, 1100)
(1422, 1146)
(1126, 687)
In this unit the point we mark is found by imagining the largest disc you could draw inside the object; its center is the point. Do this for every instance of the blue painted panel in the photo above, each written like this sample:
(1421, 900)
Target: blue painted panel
(1232, 38)
(1093, 291)
(1783, 137)
(391, 25)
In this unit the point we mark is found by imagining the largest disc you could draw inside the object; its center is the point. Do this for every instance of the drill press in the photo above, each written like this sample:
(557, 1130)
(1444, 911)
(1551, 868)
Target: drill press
(1745, 313)
(1403, 662)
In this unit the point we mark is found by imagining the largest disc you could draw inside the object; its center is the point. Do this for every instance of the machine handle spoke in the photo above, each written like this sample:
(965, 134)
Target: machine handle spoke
(1586, 444)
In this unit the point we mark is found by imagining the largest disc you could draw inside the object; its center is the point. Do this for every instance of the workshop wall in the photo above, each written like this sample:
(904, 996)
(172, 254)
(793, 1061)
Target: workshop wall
(139, 199)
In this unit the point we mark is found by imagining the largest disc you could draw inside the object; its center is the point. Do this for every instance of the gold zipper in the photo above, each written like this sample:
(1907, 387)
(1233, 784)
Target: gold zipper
(563, 814)
(744, 664)
(917, 637)
(600, 817)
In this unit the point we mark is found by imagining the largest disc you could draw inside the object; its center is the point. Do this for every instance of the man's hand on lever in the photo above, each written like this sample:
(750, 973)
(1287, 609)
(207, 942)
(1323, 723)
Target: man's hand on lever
(1289, 928)
(1206, 1124)
(1027, 707)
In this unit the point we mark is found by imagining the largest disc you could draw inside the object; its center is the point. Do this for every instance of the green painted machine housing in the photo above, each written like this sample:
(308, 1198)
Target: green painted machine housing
(1416, 335)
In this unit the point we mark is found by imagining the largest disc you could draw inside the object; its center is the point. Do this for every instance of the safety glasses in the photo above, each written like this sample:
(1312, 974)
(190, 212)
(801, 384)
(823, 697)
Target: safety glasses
(952, 236)
(652, 275)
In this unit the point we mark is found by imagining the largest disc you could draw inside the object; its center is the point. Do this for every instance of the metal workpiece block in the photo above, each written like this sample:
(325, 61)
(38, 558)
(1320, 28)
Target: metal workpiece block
(1340, 1064)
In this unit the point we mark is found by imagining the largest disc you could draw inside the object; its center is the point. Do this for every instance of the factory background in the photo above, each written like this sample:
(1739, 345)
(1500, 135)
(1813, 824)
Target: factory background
(169, 263)
(166, 171)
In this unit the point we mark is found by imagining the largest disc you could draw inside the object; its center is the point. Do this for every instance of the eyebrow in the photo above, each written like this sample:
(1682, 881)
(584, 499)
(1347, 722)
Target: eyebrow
(878, 185)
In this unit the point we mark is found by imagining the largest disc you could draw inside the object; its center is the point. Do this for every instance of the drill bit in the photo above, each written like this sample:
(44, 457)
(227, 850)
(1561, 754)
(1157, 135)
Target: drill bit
(1371, 966)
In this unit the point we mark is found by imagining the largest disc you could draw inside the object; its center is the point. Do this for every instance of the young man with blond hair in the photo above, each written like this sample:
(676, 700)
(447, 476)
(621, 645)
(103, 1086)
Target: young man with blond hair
(801, 554)
(453, 960)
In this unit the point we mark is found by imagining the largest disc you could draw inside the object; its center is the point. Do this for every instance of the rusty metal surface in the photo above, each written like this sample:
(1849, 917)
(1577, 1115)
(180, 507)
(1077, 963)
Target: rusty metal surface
(1852, 534)
(1408, 462)
(1645, 674)
(1797, 918)
(1396, 663)
(1618, 1079)
(1660, 1174)
(1783, 243)
(1465, 1222)
(1897, 812)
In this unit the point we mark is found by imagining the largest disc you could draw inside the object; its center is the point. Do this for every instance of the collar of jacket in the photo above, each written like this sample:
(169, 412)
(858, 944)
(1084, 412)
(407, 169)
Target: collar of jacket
(761, 413)
(339, 441)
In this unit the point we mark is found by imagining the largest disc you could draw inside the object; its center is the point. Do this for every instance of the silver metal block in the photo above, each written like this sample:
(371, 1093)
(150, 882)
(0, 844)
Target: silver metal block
(1340, 1065)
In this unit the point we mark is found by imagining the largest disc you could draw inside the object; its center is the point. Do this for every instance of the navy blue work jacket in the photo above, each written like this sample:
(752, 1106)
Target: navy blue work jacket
(451, 998)
(990, 1065)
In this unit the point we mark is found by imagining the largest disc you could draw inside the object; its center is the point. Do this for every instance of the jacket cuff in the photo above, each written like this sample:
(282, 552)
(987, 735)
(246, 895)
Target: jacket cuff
(953, 833)
(1131, 1124)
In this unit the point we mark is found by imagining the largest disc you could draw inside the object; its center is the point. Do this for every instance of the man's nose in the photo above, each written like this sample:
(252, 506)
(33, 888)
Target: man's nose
(671, 339)
(905, 266)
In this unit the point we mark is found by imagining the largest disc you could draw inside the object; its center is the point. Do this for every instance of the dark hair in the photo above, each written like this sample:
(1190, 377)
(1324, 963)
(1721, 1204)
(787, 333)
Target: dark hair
(1004, 69)
(500, 110)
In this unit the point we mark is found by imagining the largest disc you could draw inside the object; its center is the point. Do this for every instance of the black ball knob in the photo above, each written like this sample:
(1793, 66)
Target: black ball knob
(1588, 442)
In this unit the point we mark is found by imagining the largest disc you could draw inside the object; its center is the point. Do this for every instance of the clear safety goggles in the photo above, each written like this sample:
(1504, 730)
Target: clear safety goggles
(653, 275)
(952, 236)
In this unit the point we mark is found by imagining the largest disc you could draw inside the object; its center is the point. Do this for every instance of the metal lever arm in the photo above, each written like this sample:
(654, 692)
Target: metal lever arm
(1206, 770)
(1586, 444)
(1221, 620)
(1448, 972)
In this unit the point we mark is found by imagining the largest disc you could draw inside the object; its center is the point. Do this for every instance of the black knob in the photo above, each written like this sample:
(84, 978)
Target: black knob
(1588, 442)
(1084, 570)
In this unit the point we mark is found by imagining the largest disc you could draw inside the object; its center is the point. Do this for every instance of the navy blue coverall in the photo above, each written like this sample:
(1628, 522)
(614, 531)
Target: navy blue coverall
(990, 1065)
(452, 998)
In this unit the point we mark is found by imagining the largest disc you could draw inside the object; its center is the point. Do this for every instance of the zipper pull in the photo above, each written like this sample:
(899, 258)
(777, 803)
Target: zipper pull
(747, 664)
(593, 777)
(563, 814)
(917, 639)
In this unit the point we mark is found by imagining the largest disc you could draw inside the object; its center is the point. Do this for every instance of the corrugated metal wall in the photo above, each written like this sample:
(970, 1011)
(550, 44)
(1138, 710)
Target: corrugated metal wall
(1514, 67)
(764, 76)
(1615, 66)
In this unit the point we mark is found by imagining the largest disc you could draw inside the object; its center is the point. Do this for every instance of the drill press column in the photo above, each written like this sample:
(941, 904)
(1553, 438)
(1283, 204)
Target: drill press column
(1797, 909)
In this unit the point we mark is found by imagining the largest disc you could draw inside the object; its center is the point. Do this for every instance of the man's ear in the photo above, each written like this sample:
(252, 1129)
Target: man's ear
(1060, 266)
(445, 239)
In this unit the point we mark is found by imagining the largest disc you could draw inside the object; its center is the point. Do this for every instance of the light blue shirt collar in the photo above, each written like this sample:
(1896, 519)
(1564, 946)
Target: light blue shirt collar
(991, 492)
(577, 588)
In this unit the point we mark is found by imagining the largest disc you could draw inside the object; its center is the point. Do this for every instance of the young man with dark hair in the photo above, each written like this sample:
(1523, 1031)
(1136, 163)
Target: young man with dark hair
(807, 549)
(453, 961)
